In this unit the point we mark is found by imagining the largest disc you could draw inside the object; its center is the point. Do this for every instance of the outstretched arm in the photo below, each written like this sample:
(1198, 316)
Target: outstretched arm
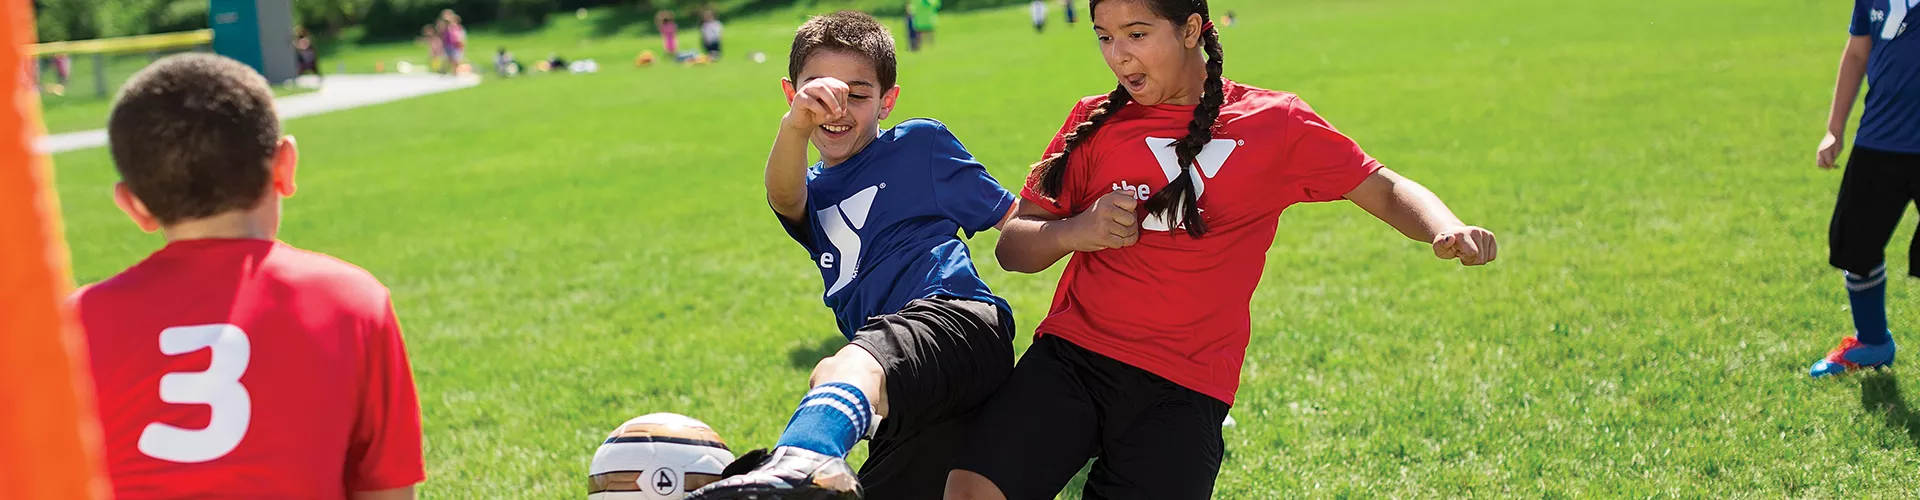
(1417, 213)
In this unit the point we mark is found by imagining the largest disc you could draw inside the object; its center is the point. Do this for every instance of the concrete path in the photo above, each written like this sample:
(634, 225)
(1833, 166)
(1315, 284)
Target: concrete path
(337, 93)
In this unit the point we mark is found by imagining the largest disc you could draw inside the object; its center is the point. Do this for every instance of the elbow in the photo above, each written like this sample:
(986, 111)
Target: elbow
(786, 205)
(1011, 260)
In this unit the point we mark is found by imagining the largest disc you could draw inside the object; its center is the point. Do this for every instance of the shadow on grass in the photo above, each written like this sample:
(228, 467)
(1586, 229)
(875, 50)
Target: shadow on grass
(804, 357)
(1880, 392)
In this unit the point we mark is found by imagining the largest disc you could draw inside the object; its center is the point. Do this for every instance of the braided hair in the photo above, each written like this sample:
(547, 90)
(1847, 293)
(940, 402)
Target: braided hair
(1181, 196)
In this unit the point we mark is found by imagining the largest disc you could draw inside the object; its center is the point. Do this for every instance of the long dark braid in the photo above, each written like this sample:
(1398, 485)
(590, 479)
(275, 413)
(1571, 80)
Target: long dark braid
(1180, 196)
(1053, 170)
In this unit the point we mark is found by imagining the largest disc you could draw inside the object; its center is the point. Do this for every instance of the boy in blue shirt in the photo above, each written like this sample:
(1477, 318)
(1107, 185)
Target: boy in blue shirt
(879, 215)
(1883, 172)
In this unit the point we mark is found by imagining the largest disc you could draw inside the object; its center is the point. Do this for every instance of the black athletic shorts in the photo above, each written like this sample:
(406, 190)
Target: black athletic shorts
(1150, 438)
(943, 358)
(1874, 193)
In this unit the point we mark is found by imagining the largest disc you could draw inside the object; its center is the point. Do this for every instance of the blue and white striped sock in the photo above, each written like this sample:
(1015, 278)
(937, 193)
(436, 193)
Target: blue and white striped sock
(1868, 297)
(831, 418)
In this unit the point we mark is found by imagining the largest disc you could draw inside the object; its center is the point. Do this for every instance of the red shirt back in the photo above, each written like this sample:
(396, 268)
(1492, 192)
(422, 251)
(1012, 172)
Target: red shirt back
(1171, 304)
(250, 368)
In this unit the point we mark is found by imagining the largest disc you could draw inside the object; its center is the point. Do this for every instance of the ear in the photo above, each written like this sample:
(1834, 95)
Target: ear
(787, 85)
(1192, 38)
(285, 158)
(887, 100)
(131, 205)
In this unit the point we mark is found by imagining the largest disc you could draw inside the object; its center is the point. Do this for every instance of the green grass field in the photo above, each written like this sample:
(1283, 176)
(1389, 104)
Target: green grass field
(569, 252)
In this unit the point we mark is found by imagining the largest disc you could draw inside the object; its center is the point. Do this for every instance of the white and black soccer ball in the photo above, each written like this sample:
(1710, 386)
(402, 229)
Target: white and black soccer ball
(659, 456)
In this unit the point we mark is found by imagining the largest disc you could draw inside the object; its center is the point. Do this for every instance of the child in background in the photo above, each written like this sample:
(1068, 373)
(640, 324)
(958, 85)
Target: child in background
(913, 35)
(926, 17)
(710, 34)
(1072, 17)
(430, 36)
(453, 41)
(669, 31)
(1039, 8)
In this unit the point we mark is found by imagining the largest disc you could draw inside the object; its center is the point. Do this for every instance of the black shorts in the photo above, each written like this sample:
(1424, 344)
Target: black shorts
(943, 358)
(713, 49)
(1150, 438)
(1874, 193)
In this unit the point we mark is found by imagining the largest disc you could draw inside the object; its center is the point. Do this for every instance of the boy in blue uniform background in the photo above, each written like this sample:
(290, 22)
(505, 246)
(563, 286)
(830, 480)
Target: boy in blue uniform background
(1882, 175)
(880, 216)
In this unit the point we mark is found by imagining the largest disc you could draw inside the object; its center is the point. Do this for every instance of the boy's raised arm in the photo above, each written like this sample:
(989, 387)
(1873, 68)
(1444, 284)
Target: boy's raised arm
(820, 101)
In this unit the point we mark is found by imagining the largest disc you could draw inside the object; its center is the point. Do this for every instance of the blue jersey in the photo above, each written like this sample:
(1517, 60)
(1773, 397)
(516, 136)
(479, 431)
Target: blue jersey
(884, 225)
(1892, 118)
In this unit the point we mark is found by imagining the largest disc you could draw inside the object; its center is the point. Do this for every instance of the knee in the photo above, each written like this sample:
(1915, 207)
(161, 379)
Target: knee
(851, 363)
(968, 485)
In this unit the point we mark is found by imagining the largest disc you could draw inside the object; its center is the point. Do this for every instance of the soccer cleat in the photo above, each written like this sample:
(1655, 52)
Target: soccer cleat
(788, 473)
(1852, 355)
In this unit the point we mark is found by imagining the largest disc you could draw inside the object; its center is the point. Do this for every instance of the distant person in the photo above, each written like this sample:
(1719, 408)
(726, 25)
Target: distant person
(1039, 8)
(229, 364)
(710, 29)
(306, 57)
(504, 65)
(913, 35)
(63, 68)
(454, 39)
(926, 17)
(436, 49)
(1072, 16)
(1882, 176)
(1231, 18)
(669, 31)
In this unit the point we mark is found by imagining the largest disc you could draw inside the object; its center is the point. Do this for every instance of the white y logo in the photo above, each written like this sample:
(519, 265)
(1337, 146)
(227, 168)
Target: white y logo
(839, 222)
(1210, 159)
(1896, 18)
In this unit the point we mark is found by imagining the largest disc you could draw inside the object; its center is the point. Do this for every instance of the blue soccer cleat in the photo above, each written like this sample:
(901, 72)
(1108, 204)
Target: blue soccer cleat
(1852, 355)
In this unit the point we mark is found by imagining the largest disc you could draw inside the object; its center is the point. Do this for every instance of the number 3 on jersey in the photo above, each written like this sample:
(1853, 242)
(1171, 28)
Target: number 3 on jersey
(218, 387)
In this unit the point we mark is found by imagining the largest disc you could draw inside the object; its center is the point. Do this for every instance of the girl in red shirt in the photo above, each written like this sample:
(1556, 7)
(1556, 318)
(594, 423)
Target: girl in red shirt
(1167, 191)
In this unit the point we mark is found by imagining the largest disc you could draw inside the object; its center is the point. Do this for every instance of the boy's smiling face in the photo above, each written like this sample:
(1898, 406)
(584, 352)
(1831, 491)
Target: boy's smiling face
(866, 105)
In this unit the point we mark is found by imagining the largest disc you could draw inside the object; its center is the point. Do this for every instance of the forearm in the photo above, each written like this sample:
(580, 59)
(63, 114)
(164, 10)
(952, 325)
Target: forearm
(1030, 245)
(1406, 205)
(401, 493)
(1846, 89)
(786, 176)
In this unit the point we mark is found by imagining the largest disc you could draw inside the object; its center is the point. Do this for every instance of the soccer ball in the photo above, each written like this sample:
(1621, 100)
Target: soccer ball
(659, 456)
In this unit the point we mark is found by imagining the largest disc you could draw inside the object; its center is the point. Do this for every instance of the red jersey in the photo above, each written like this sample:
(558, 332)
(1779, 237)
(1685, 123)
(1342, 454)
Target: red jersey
(1171, 304)
(250, 368)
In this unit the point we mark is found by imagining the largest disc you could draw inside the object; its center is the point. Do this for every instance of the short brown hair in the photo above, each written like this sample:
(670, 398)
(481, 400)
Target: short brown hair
(193, 135)
(849, 31)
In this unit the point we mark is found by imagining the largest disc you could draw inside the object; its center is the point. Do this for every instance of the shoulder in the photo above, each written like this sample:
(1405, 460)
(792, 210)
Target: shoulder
(1086, 105)
(1251, 99)
(921, 132)
(342, 283)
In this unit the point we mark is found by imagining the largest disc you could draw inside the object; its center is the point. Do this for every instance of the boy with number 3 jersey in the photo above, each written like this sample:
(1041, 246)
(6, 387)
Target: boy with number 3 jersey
(228, 364)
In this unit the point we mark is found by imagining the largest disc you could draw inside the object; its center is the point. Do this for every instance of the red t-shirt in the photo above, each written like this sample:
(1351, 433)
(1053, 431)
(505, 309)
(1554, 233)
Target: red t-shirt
(250, 368)
(1171, 304)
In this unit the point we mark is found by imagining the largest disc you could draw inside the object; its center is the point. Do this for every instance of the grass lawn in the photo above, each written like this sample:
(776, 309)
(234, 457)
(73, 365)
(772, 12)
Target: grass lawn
(567, 252)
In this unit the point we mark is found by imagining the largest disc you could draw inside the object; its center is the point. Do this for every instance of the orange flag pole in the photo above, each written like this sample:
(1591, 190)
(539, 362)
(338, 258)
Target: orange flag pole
(49, 435)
